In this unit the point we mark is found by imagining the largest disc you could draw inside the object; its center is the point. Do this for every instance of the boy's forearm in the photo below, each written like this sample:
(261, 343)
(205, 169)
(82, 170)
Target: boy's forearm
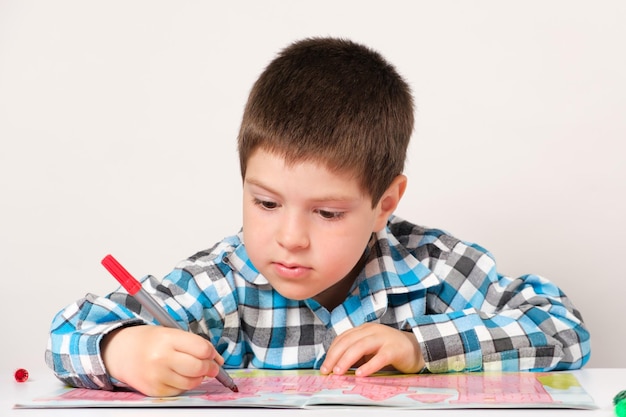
(474, 341)
(483, 320)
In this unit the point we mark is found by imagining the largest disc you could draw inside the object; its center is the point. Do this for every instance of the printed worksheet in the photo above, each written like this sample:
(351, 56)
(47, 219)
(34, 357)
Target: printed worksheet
(308, 388)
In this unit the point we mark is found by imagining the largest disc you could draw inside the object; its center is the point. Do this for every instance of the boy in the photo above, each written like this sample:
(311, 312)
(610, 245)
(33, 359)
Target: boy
(322, 274)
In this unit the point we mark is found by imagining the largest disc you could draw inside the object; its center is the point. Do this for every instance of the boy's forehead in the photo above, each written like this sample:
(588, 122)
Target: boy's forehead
(291, 162)
(263, 164)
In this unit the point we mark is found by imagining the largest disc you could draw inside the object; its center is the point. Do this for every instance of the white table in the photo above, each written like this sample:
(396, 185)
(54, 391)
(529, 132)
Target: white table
(601, 383)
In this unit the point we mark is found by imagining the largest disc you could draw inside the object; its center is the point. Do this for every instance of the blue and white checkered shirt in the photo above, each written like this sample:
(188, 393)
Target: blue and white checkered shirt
(465, 315)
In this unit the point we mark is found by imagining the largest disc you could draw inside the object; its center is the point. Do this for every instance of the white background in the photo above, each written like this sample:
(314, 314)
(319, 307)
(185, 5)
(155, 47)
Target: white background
(118, 122)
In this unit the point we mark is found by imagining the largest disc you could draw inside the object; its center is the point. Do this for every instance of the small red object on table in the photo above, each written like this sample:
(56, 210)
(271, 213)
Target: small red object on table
(21, 375)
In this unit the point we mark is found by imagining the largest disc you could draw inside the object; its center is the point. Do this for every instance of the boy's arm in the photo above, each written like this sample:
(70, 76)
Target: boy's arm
(74, 350)
(480, 320)
(199, 293)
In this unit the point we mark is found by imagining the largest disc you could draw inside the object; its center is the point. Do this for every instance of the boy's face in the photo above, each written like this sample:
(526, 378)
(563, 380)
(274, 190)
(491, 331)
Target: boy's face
(305, 227)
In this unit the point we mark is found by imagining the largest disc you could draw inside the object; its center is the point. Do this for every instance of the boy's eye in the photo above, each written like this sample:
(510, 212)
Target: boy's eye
(267, 205)
(330, 215)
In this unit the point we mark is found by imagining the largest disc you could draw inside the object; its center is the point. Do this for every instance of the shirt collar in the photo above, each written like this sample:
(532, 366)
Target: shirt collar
(240, 262)
(391, 268)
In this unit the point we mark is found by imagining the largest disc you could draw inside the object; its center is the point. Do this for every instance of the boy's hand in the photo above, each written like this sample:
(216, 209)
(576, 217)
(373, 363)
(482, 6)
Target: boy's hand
(159, 361)
(373, 346)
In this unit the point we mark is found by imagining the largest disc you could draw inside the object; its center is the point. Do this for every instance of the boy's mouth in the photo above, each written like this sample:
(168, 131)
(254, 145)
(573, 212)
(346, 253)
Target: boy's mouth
(290, 270)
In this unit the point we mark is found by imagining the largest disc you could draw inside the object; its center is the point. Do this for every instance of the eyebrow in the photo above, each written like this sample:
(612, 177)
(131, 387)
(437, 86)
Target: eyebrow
(330, 197)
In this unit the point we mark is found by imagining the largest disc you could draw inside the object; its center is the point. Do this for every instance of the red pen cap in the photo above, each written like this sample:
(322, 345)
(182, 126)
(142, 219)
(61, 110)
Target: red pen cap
(121, 274)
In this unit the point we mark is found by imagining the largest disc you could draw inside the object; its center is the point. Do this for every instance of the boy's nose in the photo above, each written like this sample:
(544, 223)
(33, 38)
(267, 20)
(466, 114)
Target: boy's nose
(293, 233)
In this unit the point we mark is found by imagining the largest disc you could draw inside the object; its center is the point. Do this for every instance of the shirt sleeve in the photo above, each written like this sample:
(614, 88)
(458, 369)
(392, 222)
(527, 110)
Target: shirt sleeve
(73, 350)
(479, 320)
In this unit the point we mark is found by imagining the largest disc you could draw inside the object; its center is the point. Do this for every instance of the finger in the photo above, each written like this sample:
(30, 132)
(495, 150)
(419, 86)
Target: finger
(188, 373)
(174, 384)
(349, 352)
(166, 383)
(194, 345)
(357, 354)
(189, 366)
(338, 348)
(372, 365)
(333, 355)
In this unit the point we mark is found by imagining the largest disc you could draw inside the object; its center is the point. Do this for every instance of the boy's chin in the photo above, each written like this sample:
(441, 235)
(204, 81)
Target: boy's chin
(294, 295)
(291, 292)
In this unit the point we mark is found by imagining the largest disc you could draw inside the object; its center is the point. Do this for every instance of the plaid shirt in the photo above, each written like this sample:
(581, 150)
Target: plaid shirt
(465, 316)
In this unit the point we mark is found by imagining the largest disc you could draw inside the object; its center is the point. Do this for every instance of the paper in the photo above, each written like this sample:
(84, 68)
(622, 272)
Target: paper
(308, 388)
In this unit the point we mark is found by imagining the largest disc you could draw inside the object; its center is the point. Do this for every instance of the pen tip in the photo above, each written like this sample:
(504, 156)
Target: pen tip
(234, 388)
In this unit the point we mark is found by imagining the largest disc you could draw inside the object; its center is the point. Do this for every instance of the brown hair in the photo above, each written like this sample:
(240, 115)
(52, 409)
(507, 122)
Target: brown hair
(335, 102)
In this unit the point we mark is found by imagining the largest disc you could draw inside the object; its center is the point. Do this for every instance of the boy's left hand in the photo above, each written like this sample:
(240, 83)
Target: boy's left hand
(373, 346)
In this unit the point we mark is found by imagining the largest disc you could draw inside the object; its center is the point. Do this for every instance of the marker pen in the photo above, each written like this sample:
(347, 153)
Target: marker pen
(135, 289)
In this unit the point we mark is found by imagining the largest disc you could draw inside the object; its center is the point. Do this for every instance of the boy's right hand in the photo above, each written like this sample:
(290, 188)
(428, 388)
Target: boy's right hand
(159, 361)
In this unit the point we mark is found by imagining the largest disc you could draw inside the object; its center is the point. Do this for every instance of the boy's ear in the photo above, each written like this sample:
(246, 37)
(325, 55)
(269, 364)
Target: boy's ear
(389, 201)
